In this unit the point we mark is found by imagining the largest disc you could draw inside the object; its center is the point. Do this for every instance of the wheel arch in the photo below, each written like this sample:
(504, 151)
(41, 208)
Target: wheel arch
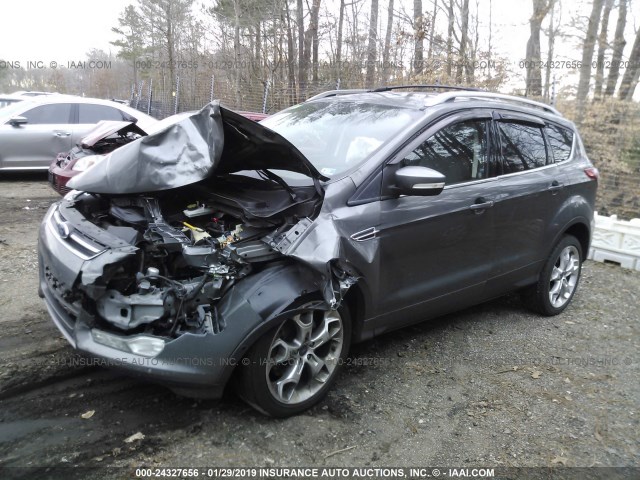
(574, 217)
(265, 298)
(582, 232)
(355, 301)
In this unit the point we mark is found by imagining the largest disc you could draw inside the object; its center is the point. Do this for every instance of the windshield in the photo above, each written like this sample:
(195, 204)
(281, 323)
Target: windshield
(336, 136)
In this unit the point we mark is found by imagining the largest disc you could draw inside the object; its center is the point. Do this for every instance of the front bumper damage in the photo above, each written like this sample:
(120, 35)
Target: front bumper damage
(192, 364)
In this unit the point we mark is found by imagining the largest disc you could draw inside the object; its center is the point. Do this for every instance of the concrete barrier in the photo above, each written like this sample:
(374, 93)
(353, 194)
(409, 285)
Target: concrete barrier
(616, 241)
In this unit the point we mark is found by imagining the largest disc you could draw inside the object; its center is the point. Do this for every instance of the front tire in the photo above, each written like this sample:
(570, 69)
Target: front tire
(558, 280)
(292, 367)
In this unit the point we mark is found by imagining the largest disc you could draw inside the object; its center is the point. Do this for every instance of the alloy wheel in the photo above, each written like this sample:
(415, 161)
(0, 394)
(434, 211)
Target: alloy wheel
(564, 276)
(303, 355)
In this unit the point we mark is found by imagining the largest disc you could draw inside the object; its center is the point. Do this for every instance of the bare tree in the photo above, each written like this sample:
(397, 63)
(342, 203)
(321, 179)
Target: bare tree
(371, 48)
(490, 36)
(315, 11)
(432, 32)
(602, 48)
(387, 43)
(290, 58)
(464, 40)
(587, 56)
(236, 53)
(311, 41)
(472, 47)
(450, 35)
(618, 47)
(339, 41)
(551, 34)
(533, 57)
(631, 74)
(418, 34)
(302, 67)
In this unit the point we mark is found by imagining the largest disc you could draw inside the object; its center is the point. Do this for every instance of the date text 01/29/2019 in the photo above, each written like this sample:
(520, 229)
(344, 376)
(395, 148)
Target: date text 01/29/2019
(313, 472)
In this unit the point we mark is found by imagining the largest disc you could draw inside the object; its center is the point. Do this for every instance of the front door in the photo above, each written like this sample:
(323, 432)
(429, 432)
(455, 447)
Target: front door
(48, 131)
(436, 251)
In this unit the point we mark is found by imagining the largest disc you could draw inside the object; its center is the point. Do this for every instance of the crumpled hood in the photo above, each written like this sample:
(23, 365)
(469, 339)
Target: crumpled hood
(106, 128)
(214, 140)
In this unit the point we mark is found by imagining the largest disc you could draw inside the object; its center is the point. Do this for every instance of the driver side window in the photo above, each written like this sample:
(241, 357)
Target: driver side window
(458, 151)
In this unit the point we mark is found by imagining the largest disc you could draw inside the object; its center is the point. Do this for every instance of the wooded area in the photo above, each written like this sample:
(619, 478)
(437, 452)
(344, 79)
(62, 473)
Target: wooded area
(176, 55)
(301, 46)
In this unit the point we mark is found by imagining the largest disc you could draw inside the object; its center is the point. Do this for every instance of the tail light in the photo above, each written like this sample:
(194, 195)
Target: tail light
(592, 173)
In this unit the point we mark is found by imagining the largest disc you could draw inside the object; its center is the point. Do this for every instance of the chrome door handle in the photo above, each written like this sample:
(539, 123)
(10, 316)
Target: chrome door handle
(61, 134)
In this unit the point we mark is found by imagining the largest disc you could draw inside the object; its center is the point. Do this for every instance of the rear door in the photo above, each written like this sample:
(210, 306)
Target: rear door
(529, 192)
(48, 131)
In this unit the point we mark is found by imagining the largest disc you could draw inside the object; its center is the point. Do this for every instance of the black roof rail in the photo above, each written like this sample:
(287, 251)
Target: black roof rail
(434, 87)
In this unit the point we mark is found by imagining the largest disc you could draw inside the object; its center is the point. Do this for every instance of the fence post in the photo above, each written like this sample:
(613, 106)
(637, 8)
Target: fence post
(175, 108)
(267, 84)
(211, 93)
(140, 85)
(150, 94)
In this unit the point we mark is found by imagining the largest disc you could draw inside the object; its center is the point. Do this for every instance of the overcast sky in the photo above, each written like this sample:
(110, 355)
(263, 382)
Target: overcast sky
(60, 30)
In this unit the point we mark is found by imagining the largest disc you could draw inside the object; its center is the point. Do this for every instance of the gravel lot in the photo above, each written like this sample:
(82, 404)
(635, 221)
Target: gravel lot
(491, 386)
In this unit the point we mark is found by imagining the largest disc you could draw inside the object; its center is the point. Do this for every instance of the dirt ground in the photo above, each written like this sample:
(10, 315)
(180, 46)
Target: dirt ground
(490, 386)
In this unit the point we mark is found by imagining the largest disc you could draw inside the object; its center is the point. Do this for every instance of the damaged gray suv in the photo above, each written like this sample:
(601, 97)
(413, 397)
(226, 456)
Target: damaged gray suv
(221, 249)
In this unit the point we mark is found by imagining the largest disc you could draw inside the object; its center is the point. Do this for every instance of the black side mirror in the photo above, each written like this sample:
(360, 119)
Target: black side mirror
(17, 121)
(418, 181)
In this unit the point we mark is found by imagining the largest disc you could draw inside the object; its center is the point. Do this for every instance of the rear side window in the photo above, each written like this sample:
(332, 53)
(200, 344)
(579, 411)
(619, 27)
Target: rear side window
(57, 113)
(560, 142)
(522, 147)
(458, 151)
(94, 113)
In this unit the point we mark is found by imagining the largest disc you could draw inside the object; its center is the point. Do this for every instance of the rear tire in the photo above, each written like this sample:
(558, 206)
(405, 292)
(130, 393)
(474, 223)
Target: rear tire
(293, 366)
(558, 280)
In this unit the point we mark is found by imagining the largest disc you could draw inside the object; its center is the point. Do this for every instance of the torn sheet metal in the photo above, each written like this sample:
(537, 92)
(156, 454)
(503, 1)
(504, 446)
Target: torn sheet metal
(322, 246)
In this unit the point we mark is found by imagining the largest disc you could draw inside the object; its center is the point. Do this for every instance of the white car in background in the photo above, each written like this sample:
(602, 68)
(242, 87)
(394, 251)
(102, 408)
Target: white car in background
(34, 131)
(7, 99)
(20, 96)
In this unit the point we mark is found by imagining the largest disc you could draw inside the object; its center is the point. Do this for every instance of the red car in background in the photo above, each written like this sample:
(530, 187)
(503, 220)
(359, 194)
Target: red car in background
(103, 139)
(106, 137)
(256, 117)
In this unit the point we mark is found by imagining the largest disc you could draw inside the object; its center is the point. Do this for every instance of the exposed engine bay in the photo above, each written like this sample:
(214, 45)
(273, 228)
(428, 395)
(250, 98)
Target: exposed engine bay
(192, 246)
